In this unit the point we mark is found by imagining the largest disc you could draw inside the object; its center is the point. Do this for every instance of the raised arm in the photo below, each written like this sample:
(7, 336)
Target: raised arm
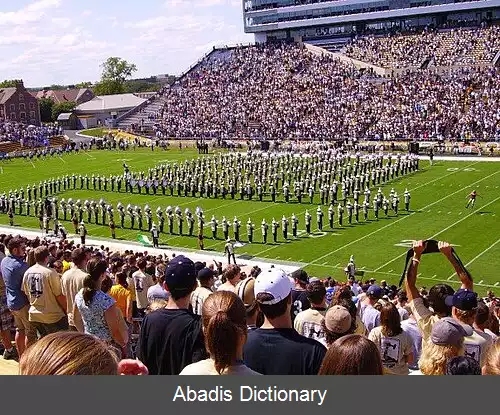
(466, 280)
(411, 276)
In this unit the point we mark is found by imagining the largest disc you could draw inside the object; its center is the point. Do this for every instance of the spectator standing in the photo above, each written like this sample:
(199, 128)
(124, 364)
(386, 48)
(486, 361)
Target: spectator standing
(352, 355)
(369, 314)
(171, 338)
(225, 331)
(206, 280)
(72, 283)
(42, 285)
(410, 327)
(232, 274)
(276, 348)
(245, 290)
(142, 282)
(394, 344)
(6, 319)
(299, 295)
(99, 313)
(338, 322)
(308, 322)
(157, 292)
(13, 268)
(121, 294)
(492, 364)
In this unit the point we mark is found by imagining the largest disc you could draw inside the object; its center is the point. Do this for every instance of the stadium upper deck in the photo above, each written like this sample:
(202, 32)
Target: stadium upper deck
(320, 19)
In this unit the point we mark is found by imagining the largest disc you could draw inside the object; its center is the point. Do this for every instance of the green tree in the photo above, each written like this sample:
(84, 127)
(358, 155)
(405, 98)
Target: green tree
(9, 83)
(46, 106)
(62, 107)
(83, 85)
(115, 71)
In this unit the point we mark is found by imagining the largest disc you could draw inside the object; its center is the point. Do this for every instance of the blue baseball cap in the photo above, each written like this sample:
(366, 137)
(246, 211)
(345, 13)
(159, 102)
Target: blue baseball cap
(180, 273)
(462, 299)
(375, 291)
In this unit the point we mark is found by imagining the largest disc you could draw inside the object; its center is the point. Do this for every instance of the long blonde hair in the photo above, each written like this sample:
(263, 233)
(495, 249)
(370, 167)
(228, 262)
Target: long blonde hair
(492, 365)
(434, 357)
(68, 353)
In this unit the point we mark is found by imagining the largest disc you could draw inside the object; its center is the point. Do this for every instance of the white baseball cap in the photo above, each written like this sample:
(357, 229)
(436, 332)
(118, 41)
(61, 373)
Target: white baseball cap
(275, 282)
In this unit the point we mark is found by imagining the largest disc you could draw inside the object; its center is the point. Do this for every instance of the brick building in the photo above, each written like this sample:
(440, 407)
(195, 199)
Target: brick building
(17, 104)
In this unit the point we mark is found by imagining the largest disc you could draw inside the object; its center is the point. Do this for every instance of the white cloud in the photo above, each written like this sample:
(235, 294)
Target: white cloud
(176, 4)
(33, 12)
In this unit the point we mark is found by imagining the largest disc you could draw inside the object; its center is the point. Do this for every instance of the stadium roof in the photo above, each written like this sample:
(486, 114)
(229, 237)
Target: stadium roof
(107, 103)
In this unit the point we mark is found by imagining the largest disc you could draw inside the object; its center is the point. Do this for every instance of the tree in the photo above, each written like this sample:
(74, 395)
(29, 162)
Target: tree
(46, 106)
(62, 107)
(9, 83)
(115, 72)
(83, 85)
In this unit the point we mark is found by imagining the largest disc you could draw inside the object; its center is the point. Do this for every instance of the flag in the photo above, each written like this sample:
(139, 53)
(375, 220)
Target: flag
(238, 245)
(143, 239)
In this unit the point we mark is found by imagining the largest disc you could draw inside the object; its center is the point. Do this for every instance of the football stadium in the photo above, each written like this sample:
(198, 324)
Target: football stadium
(303, 178)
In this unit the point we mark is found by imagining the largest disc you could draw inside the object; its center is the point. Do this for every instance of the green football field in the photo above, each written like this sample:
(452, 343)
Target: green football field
(437, 211)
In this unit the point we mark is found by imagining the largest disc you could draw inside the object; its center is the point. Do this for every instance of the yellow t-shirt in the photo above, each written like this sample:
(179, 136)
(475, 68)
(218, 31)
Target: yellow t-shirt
(121, 296)
(66, 265)
(425, 319)
(42, 285)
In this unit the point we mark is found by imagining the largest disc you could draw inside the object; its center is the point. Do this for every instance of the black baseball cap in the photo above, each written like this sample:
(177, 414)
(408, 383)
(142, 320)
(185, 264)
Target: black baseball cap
(180, 273)
(463, 299)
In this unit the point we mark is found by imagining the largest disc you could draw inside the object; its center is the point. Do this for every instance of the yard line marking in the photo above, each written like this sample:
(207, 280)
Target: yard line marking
(59, 157)
(337, 264)
(479, 255)
(449, 278)
(480, 282)
(439, 233)
(497, 284)
(32, 164)
(446, 175)
(324, 263)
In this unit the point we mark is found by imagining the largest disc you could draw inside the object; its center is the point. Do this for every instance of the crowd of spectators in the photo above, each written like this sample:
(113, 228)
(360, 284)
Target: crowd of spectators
(451, 47)
(75, 307)
(285, 92)
(28, 135)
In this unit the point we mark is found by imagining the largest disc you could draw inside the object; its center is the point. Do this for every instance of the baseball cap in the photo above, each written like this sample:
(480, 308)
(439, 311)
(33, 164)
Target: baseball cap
(205, 274)
(180, 273)
(245, 290)
(447, 330)
(375, 291)
(338, 319)
(273, 282)
(462, 299)
(300, 275)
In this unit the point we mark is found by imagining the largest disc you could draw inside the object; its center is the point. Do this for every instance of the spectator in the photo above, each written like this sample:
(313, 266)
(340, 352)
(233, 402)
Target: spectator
(142, 282)
(232, 274)
(72, 283)
(492, 364)
(464, 303)
(446, 341)
(225, 331)
(338, 322)
(410, 327)
(352, 355)
(308, 322)
(401, 301)
(245, 290)
(172, 338)
(276, 348)
(42, 285)
(206, 280)
(394, 344)
(70, 353)
(299, 295)
(462, 365)
(369, 314)
(157, 292)
(121, 294)
(98, 311)
(483, 320)
(13, 268)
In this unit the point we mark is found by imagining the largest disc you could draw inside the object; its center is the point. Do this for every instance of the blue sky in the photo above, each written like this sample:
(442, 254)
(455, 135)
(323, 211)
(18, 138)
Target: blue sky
(48, 42)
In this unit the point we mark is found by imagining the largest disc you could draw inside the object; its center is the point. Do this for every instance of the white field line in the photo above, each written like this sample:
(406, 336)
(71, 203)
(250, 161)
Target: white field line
(442, 177)
(393, 223)
(439, 233)
(479, 255)
(60, 158)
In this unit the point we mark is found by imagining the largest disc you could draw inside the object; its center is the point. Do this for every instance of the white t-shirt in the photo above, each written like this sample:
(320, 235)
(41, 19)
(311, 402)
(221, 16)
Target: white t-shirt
(393, 350)
(207, 367)
(477, 346)
(410, 327)
(308, 323)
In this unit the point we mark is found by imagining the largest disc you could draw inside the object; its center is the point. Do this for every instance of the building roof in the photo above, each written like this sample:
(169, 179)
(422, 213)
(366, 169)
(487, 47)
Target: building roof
(64, 116)
(110, 102)
(6, 93)
(62, 95)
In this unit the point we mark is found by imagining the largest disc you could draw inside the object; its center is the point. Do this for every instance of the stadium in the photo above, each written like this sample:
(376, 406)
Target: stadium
(347, 131)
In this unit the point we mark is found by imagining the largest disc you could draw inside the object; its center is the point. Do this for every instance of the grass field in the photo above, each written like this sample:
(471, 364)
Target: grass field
(437, 212)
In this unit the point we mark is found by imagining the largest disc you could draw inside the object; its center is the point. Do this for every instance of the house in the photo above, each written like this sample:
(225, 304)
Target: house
(103, 109)
(68, 120)
(79, 96)
(17, 104)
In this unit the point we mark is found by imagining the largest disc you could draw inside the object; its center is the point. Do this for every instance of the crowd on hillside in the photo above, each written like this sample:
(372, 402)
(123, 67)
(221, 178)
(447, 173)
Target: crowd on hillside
(74, 307)
(286, 92)
(449, 47)
(27, 135)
